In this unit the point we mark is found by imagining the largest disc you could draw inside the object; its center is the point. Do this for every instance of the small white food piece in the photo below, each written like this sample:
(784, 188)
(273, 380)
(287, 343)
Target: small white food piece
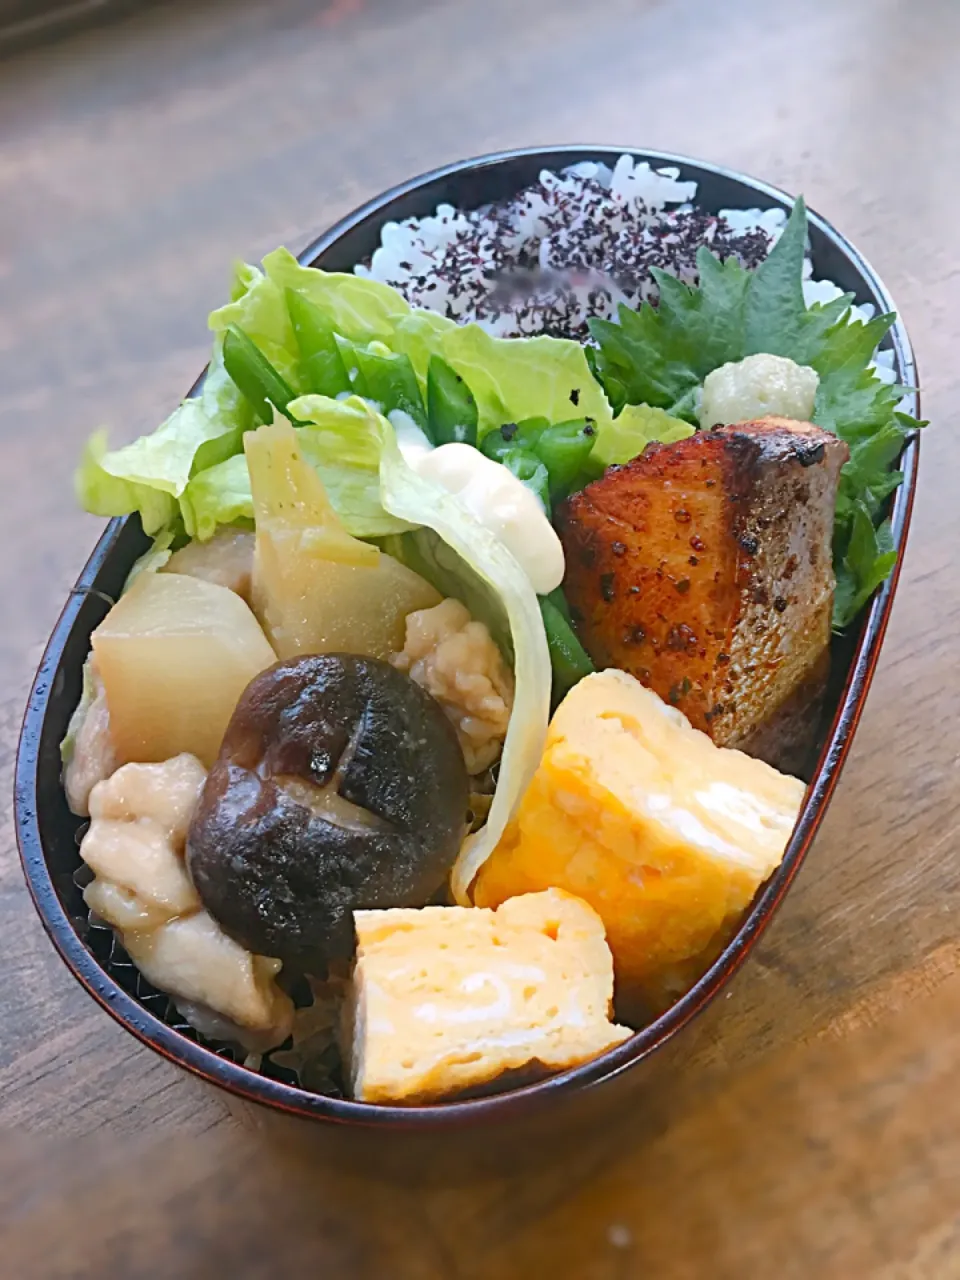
(88, 752)
(175, 653)
(227, 560)
(758, 387)
(456, 660)
(449, 999)
(499, 501)
(139, 819)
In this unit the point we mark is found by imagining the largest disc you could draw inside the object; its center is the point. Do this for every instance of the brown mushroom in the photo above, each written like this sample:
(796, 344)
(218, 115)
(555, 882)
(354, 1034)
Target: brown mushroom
(340, 784)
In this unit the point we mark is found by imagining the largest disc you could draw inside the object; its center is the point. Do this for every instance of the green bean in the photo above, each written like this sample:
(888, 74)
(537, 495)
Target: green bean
(564, 449)
(568, 658)
(451, 409)
(321, 363)
(592, 470)
(513, 435)
(256, 377)
(351, 362)
(559, 601)
(391, 381)
(530, 471)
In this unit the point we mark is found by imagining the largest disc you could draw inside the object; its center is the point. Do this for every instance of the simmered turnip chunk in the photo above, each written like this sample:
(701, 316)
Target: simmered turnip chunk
(175, 653)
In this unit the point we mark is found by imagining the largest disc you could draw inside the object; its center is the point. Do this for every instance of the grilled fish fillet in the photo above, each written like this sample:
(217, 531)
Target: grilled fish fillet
(704, 569)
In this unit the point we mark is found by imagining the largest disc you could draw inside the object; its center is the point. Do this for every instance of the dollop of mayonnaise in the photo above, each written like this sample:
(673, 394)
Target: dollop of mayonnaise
(493, 496)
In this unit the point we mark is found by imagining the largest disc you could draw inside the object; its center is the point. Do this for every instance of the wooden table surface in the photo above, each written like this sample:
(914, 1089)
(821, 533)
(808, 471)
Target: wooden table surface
(809, 1124)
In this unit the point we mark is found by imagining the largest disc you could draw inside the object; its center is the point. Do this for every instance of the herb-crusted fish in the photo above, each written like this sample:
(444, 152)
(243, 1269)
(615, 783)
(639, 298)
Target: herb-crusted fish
(704, 569)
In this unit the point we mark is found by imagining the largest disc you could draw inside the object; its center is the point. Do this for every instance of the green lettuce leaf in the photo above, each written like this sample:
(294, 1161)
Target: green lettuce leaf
(68, 745)
(189, 458)
(543, 377)
(362, 310)
(637, 425)
(219, 495)
(151, 472)
(410, 497)
(259, 308)
(343, 440)
(516, 378)
(103, 493)
(154, 558)
(420, 335)
(340, 438)
(426, 553)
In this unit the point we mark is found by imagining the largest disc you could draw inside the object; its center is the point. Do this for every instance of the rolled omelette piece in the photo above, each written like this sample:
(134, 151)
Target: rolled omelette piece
(450, 1001)
(664, 834)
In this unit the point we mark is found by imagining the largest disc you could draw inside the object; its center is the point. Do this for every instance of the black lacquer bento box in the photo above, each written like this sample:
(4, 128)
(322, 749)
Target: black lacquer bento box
(48, 833)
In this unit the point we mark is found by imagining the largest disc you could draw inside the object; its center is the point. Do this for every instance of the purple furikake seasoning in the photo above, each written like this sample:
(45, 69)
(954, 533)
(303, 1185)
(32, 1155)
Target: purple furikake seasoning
(570, 247)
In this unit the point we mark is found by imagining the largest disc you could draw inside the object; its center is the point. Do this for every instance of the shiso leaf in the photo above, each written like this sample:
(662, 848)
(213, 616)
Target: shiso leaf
(867, 561)
(659, 355)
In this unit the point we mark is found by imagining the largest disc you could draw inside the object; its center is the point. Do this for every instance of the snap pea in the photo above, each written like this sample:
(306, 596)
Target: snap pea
(323, 370)
(451, 409)
(390, 379)
(256, 377)
(564, 449)
(569, 660)
(530, 471)
(513, 435)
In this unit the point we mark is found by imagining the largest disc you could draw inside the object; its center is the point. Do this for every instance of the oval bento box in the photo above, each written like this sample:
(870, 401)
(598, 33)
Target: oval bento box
(48, 833)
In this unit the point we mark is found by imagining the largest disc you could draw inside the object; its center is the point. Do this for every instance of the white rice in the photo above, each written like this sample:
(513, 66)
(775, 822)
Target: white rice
(602, 228)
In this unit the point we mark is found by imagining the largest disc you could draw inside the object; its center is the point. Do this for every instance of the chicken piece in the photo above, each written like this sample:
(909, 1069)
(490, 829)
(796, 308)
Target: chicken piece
(193, 960)
(138, 829)
(88, 752)
(664, 834)
(139, 819)
(163, 796)
(452, 999)
(227, 560)
(704, 568)
(457, 661)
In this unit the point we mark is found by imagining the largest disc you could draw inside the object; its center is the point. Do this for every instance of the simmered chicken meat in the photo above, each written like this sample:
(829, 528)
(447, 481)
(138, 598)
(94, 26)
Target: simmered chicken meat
(139, 818)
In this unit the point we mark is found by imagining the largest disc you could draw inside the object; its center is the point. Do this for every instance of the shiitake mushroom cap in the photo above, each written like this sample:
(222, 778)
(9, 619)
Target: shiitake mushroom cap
(279, 871)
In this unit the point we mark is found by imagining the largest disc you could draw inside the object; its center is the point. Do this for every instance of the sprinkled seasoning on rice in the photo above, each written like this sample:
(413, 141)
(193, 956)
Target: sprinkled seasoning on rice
(603, 229)
(573, 246)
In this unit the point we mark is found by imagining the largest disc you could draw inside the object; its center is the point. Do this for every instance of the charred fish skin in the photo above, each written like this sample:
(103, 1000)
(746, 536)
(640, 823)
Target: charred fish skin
(704, 568)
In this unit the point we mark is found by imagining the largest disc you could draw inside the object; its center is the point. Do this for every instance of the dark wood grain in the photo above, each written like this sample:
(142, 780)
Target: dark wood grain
(808, 1125)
